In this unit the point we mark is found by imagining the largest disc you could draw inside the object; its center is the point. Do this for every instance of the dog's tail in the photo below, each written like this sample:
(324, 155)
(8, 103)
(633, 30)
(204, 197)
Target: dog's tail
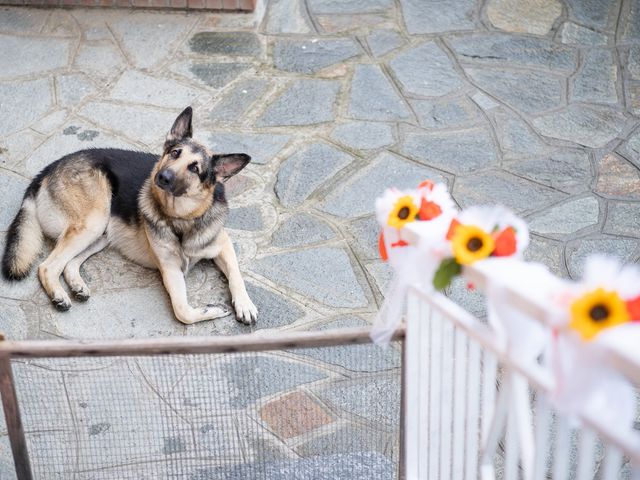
(24, 241)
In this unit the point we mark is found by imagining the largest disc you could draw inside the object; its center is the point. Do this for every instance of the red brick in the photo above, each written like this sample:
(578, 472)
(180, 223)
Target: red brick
(140, 3)
(214, 4)
(160, 3)
(248, 5)
(196, 3)
(230, 4)
(178, 3)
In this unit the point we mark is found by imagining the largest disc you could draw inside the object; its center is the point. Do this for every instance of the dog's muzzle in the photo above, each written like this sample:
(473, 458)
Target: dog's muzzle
(166, 179)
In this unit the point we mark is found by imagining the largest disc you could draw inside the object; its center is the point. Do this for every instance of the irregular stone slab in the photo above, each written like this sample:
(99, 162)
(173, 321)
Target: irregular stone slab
(12, 187)
(17, 146)
(148, 38)
(346, 439)
(245, 218)
(500, 49)
(293, 415)
(455, 152)
(596, 80)
(633, 97)
(633, 62)
(262, 147)
(137, 87)
(364, 135)
(623, 218)
(630, 149)
(578, 251)
(73, 88)
(310, 56)
(374, 398)
(485, 102)
(29, 55)
(211, 74)
(287, 16)
(574, 34)
(274, 309)
(546, 252)
(373, 97)
(383, 41)
(382, 273)
(305, 102)
(566, 170)
(518, 194)
(567, 218)
(631, 29)
(363, 236)
(301, 229)
(616, 178)
(22, 19)
(302, 173)
(357, 195)
(593, 13)
(447, 114)
(145, 124)
(50, 122)
(589, 126)
(237, 103)
(426, 70)
(241, 44)
(341, 24)
(355, 6)
(424, 17)
(23, 102)
(322, 274)
(103, 59)
(515, 136)
(355, 358)
(528, 92)
(13, 321)
(528, 16)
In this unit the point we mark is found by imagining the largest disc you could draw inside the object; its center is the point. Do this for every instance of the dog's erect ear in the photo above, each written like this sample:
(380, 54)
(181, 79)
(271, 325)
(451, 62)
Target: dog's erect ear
(226, 166)
(181, 127)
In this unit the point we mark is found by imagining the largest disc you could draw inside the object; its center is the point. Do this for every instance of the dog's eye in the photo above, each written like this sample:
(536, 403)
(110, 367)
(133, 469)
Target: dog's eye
(175, 153)
(193, 167)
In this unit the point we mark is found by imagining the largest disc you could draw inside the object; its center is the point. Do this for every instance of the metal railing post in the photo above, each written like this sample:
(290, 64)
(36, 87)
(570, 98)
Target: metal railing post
(13, 420)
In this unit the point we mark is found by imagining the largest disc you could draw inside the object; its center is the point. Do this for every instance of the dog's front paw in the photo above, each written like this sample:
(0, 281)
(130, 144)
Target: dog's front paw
(62, 302)
(246, 311)
(218, 310)
(81, 294)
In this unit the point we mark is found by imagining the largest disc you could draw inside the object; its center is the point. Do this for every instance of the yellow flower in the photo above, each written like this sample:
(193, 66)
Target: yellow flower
(470, 244)
(596, 311)
(404, 211)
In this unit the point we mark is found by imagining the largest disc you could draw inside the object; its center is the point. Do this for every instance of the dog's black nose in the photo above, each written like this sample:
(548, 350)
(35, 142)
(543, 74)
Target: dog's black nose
(165, 179)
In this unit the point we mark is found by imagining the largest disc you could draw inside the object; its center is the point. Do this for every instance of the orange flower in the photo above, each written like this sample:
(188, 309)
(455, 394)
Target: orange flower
(505, 242)
(452, 229)
(382, 247)
(428, 210)
(633, 307)
(426, 184)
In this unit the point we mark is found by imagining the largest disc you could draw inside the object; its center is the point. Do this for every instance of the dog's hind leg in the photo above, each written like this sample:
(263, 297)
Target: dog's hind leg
(71, 272)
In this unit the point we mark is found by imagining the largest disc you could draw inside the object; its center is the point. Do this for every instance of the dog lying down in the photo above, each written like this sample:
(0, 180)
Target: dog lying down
(165, 212)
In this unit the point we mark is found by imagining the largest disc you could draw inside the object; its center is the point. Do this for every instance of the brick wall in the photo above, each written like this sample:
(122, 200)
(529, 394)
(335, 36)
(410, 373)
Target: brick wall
(234, 5)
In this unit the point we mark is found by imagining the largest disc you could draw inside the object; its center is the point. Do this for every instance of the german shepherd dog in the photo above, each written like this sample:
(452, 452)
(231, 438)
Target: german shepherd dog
(165, 212)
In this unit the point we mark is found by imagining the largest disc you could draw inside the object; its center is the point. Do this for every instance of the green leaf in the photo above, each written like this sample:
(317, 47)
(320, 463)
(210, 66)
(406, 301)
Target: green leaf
(448, 269)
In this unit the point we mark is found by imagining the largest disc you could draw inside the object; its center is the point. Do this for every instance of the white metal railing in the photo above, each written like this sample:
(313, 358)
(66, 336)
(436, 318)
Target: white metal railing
(476, 408)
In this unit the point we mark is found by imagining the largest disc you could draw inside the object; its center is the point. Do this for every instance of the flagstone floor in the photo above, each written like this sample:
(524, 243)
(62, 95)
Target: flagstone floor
(530, 103)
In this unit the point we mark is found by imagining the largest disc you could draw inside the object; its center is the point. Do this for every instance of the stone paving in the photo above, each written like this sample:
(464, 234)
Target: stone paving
(530, 103)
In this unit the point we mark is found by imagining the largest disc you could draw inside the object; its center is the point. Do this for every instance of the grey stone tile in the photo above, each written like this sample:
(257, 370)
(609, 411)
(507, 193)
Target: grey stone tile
(630, 148)
(364, 234)
(50, 122)
(623, 218)
(323, 274)
(574, 34)
(567, 218)
(577, 252)
(485, 102)
(310, 56)
(455, 152)
(148, 38)
(382, 274)
(245, 218)
(426, 70)
(30, 55)
(445, 114)
(22, 19)
(210, 74)
(584, 125)
(566, 170)
(12, 187)
(499, 49)
(301, 229)
(303, 172)
(23, 102)
(331, 24)
(233, 107)
(528, 92)
(357, 195)
(516, 138)
(349, 7)
(523, 16)
(421, 17)
(13, 320)
(518, 194)
(633, 62)
(596, 81)
(73, 88)
(364, 135)
(548, 253)
(225, 43)
(631, 28)
(373, 96)
(376, 399)
(262, 147)
(347, 439)
(287, 16)
(593, 13)
(355, 358)
(305, 102)
(103, 59)
(382, 42)
(17, 146)
(274, 309)
(617, 178)
(138, 87)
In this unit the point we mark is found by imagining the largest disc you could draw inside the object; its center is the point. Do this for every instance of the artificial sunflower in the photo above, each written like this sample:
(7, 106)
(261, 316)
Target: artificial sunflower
(596, 311)
(404, 211)
(470, 244)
